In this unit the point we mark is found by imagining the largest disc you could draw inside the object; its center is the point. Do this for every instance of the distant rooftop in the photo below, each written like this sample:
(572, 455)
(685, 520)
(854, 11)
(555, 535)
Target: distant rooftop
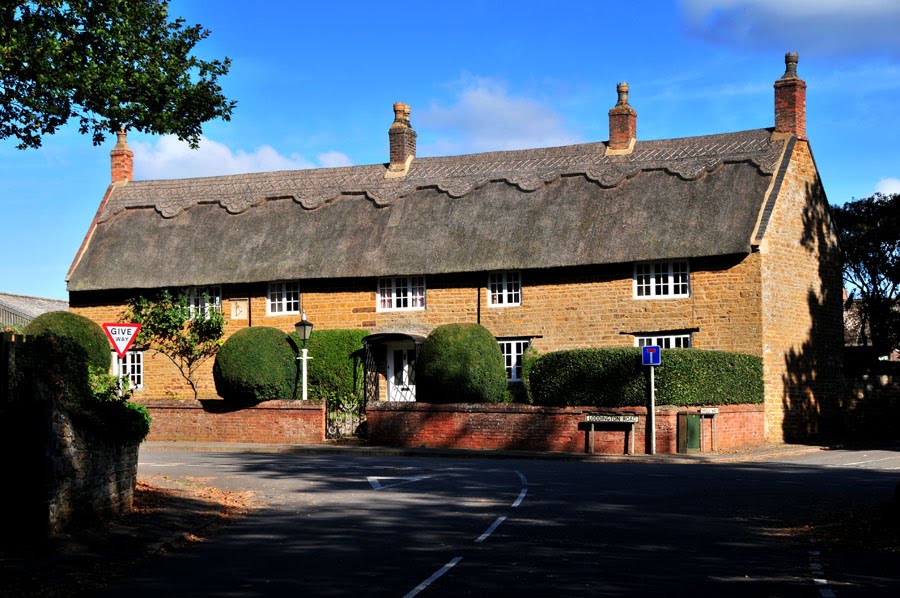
(17, 310)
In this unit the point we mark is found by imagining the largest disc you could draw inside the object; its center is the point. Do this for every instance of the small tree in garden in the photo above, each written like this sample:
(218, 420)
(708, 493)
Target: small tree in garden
(169, 326)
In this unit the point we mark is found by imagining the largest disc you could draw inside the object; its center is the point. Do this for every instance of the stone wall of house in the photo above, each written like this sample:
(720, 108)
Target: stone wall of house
(562, 309)
(271, 422)
(802, 314)
(531, 428)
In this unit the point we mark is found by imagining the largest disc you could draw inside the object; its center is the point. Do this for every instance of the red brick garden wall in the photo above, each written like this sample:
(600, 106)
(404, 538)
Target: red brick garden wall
(525, 427)
(271, 422)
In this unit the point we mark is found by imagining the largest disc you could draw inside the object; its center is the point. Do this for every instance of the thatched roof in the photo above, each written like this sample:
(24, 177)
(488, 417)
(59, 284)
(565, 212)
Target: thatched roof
(539, 208)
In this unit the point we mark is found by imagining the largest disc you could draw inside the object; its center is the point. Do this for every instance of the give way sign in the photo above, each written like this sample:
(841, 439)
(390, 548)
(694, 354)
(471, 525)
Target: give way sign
(121, 336)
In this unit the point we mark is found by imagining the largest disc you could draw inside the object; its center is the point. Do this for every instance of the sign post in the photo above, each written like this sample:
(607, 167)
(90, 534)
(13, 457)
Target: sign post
(121, 337)
(652, 356)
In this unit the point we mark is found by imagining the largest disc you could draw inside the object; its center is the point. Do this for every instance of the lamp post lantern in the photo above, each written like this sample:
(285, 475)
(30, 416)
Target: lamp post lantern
(304, 329)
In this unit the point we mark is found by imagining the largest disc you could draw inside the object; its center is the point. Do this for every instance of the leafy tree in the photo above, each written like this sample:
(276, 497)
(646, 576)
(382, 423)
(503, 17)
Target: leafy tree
(187, 337)
(111, 64)
(869, 231)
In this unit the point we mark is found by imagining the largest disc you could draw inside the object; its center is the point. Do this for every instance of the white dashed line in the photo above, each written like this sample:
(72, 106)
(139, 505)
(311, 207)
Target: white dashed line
(522, 478)
(415, 591)
(491, 529)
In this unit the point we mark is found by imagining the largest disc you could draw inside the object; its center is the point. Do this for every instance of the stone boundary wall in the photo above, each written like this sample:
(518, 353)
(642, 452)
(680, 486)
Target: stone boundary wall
(214, 420)
(559, 429)
(88, 478)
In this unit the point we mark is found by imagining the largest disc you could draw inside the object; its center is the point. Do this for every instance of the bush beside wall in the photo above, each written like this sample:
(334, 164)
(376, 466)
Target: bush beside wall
(616, 378)
(460, 363)
(83, 331)
(256, 364)
(336, 367)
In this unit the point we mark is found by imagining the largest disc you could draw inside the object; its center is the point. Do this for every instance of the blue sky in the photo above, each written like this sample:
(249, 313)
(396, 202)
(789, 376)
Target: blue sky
(315, 83)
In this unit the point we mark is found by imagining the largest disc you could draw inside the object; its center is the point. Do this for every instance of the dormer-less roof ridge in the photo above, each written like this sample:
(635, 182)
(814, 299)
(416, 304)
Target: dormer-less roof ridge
(528, 169)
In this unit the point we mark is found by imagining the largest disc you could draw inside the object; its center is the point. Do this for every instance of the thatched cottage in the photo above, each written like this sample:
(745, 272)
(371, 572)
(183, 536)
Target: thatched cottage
(714, 242)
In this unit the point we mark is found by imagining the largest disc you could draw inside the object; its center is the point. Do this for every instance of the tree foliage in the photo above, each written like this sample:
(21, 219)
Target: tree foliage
(869, 231)
(110, 64)
(169, 327)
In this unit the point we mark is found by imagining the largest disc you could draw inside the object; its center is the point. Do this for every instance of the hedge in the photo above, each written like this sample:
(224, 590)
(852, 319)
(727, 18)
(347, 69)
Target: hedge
(61, 362)
(256, 364)
(616, 378)
(460, 363)
(86, 333)
(336, 364)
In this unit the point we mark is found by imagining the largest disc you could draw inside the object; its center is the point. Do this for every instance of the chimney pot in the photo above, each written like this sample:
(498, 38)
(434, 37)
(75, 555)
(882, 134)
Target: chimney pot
(121, 159)
(402, 139)
(622, 123)
(790, 100)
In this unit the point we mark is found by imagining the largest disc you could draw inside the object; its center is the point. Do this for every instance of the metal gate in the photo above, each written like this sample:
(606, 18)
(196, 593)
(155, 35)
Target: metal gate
(345, 416)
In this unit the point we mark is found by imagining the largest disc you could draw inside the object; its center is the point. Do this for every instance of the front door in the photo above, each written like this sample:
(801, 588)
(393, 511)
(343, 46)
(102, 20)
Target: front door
(401, 374)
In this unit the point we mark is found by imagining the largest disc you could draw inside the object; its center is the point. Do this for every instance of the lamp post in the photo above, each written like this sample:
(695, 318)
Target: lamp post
(304, 329)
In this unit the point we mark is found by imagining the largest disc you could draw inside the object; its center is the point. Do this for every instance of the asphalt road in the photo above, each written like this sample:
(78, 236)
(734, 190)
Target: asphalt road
(339, 525)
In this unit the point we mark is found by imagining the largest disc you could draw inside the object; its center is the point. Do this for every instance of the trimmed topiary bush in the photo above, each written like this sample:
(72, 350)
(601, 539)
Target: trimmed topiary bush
(460, 363)
(256, 364)
(336, 367)
(86, 333)
(616, 378)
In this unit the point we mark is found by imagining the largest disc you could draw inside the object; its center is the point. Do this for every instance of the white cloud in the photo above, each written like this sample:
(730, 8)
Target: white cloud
(334, 159)
(888, 186)
(168, 158)
(820, 26)
(486, 117)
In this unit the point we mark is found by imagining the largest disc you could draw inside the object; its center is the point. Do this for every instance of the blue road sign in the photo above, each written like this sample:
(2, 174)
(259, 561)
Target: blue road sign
(651, 355)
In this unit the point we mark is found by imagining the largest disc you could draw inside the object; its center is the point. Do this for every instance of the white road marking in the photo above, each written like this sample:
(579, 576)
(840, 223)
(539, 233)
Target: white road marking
(522, 478)
(491, 529)
(415, 591)
(520, 498)
(375, 481)
(864, 462)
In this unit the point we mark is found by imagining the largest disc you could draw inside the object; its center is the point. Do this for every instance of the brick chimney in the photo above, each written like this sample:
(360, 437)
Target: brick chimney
(790, 100)
(402, 140)
(622, 124)
(121, 160)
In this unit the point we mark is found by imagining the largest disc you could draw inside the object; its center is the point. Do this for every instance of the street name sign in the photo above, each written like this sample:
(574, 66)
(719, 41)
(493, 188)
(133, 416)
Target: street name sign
(613, 418)
(121, 336)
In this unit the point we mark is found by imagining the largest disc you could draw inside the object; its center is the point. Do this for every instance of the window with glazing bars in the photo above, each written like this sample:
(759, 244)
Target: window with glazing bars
(666, 341)
(504, 289)
(401, 293)
(203, 299)
(284, 298)
(131, 367)
(662, 279)
(513, 350)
